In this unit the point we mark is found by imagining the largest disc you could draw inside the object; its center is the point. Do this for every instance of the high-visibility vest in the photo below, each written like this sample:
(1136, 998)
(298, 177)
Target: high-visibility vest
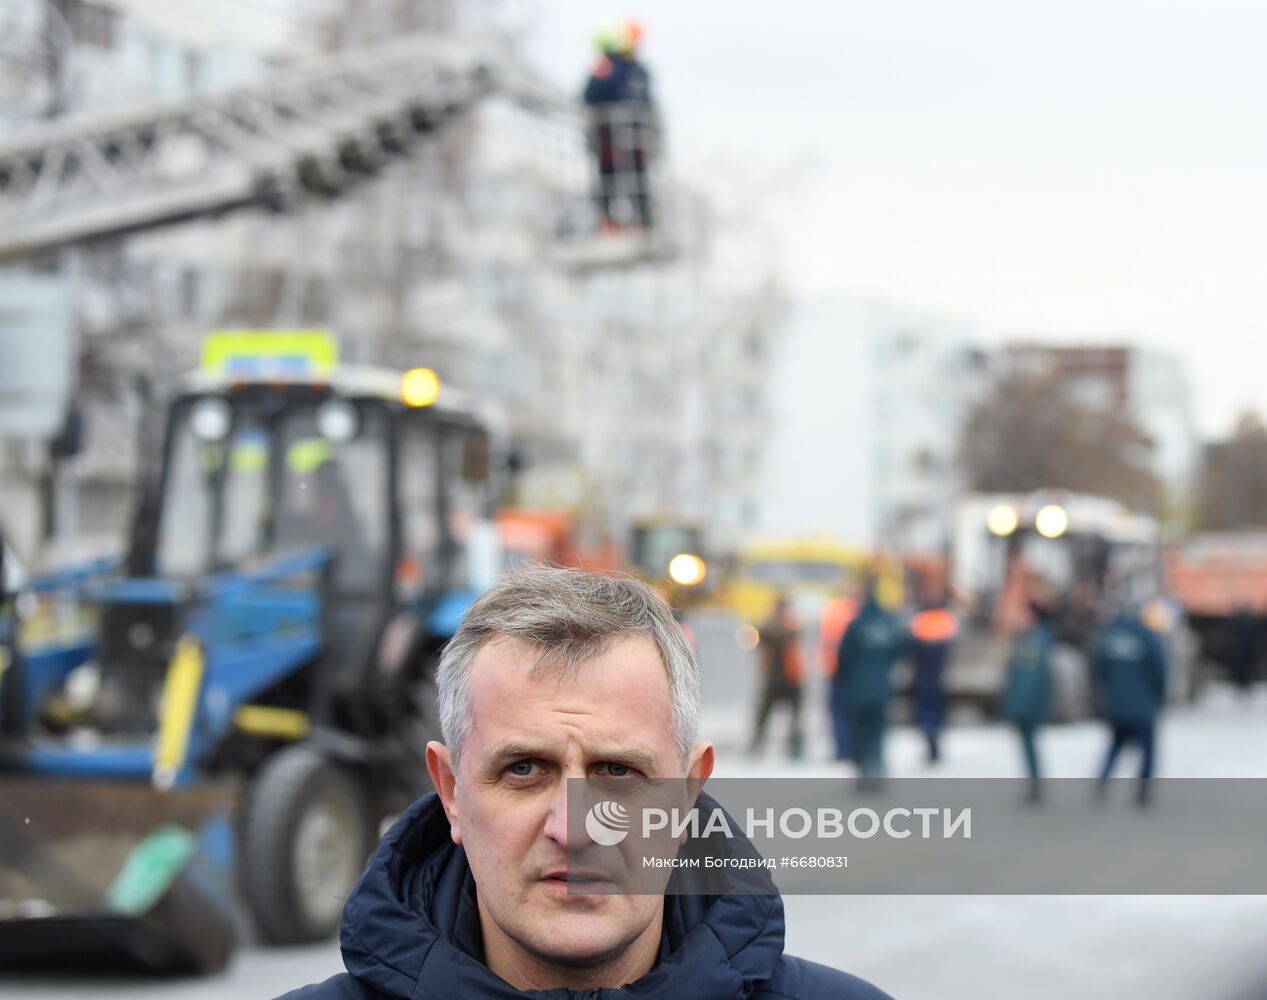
(793, 666)
(793, 661)
(934, 625)
(837, 614)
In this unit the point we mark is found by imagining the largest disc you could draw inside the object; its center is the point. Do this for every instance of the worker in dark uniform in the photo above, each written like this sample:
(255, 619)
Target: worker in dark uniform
(1027, 691)
(1130, 667)
(933, 631)
(837, 614)
(623, 128)
(864, 667)
(783, 671)
(1244, 661)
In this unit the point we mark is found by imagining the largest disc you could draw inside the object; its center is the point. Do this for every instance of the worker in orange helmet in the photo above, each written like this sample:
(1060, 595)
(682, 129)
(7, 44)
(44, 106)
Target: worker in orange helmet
(624, 127)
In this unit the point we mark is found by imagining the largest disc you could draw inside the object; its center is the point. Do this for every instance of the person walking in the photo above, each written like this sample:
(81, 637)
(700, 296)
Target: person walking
(933, 631)
(837, 614)
(1244, 660)
(783, 671)
(863, 682)
(1026, 700)
(1130, 667)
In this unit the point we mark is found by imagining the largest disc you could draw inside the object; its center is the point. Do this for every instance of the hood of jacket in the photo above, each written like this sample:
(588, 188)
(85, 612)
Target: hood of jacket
(411, 928)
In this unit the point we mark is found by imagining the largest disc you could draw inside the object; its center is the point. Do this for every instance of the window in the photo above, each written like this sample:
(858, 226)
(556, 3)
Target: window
(89, 23)
(336, 494)
(419, 495)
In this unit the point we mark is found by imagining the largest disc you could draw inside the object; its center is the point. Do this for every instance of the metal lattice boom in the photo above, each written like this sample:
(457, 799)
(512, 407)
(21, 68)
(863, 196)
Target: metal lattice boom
(313, 130)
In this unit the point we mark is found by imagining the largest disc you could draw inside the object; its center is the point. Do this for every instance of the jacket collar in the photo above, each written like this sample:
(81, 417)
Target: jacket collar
(411, 928)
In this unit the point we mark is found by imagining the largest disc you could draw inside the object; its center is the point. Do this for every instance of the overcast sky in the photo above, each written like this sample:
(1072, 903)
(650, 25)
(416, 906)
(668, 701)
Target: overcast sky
(1088, 170)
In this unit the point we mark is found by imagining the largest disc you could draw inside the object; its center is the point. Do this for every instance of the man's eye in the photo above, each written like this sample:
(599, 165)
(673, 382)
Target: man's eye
(618, 770)
(521, 768)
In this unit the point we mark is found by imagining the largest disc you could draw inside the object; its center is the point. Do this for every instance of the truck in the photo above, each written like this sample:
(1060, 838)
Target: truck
(1219, 580)
(1083, 555)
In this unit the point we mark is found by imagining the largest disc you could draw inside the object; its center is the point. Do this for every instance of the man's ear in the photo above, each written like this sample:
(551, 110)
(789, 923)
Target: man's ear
(699, 765)
(440, 767)
(698, 768)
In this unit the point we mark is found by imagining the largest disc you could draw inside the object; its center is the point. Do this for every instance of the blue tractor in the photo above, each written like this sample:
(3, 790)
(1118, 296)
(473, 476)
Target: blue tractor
(254, 692)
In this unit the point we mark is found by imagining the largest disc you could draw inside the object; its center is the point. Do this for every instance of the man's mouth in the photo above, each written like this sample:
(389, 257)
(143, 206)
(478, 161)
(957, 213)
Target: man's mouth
(574, 878)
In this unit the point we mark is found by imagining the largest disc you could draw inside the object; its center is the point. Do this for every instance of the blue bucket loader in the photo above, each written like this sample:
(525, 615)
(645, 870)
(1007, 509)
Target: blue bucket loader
(228, 714)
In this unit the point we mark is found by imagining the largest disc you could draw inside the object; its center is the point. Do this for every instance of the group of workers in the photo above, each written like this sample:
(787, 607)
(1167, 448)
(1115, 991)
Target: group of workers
(1128, 665)
(863, 642)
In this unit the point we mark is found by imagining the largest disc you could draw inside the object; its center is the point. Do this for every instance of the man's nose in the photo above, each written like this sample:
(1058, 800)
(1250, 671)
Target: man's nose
(556, 827)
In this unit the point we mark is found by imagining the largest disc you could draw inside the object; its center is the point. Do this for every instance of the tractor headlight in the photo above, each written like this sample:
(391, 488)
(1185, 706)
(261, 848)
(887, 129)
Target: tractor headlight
(83, 685)
(210, 419)
(337, 421)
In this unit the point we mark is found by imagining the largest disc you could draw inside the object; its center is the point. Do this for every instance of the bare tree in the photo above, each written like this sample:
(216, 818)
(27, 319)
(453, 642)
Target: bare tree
(1233, 488)
(1029, 432)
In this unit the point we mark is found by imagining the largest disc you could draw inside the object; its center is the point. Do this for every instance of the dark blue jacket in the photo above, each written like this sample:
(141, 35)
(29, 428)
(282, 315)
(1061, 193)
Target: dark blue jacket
(870, 647)
(618, 79)
(1130, 666)
(411, 930)
(1027, 692)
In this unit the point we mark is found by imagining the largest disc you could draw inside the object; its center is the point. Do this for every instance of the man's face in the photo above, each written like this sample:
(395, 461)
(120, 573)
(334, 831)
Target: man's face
(507, 800)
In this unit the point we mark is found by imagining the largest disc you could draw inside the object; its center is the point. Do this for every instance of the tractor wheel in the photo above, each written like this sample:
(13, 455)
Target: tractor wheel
(305, 840)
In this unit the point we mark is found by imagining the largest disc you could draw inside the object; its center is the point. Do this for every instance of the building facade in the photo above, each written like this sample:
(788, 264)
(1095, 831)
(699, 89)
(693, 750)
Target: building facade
(631, 391)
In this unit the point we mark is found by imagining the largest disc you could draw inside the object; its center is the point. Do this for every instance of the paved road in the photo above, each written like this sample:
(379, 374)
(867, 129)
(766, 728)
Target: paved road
(927, 947)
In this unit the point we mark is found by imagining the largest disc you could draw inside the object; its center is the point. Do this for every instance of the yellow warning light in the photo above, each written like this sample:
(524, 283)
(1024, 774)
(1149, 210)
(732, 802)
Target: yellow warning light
(687, 569)
(1052, 521)
(420, 387)
(747, 637)
(1002, 521)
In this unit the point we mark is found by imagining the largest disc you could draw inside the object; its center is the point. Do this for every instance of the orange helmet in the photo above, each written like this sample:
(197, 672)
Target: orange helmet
(631, 35)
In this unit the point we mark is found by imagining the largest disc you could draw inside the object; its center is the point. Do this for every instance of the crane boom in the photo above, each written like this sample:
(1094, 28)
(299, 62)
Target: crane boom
(309, 130)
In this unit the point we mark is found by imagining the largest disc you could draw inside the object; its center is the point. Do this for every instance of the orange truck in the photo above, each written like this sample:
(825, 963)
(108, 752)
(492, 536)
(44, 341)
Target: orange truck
(1220, 580)
(550, 536)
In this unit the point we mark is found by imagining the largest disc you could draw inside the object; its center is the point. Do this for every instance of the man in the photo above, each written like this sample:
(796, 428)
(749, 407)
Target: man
(555, 674)
(837, 614)
(871, 646)
(1026, 700)
(933, 631)
(623, 129)
(783, 670)
(1244, 659)
(1130, 666)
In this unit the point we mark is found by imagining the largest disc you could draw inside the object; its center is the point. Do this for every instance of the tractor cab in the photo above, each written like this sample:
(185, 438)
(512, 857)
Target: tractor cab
(387, 471)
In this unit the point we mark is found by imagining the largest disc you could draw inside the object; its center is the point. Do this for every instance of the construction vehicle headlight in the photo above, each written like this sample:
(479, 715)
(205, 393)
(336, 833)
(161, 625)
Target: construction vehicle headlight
(1052, 521)
(1002, 521)
(419, 387)
(337, 420)
(687, 569)
(210, 419)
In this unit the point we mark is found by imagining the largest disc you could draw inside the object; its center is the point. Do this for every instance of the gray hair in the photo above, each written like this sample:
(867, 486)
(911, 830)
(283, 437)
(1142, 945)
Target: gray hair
(567, 617)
